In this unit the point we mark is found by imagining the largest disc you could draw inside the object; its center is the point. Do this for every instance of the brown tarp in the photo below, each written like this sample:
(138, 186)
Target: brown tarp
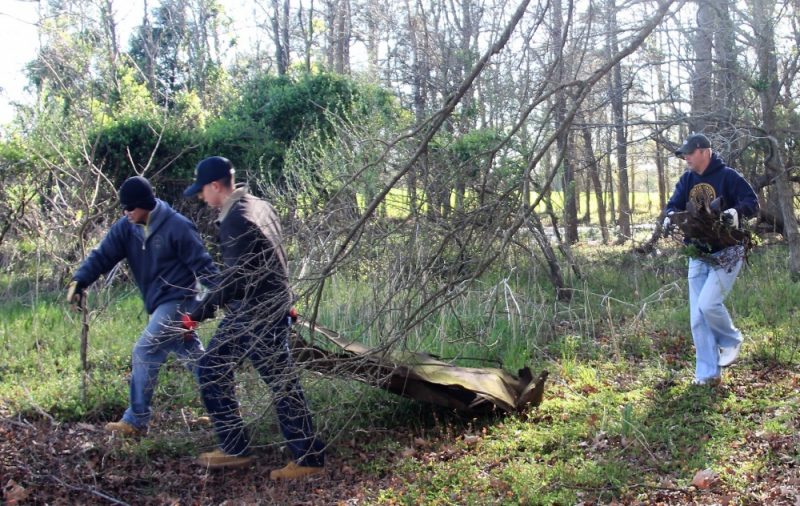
(420, 376)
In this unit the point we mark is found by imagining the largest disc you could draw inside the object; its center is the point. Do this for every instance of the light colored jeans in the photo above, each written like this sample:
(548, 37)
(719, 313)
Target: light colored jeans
(162, 336)
(712, 327)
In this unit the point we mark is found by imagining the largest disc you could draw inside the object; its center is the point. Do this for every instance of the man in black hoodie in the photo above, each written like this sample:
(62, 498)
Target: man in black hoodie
(254, 289)
(712, 274)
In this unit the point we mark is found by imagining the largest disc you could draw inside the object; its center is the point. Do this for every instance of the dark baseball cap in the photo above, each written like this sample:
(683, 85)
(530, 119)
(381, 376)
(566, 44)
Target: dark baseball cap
(207, 171)
(694, 141)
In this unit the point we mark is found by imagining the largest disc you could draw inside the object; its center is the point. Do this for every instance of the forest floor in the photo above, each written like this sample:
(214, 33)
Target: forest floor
(620, 422)
(735, 444)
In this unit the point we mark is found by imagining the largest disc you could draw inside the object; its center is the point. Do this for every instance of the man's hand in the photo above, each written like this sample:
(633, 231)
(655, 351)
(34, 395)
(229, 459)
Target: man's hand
(190, 325)
(187, 322)
(75, 293)
(667, 226)
(730, 217)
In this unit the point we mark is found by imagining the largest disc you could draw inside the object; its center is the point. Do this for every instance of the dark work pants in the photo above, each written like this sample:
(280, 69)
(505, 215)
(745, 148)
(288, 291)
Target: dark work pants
(239, 337)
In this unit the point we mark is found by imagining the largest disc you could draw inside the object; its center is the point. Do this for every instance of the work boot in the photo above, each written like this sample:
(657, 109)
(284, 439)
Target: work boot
(292, 471)
(123, 428)
(219, 459)
(201, 420)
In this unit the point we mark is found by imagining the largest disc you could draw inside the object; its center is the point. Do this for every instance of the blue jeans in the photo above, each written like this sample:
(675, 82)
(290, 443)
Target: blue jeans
(712, 327)
(162, 336)
(266, 346)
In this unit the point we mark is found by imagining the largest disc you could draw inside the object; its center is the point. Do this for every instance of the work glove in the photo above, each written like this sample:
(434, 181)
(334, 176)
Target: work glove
(293, 316)
(75, 293)
(189, 325)
(667, 226)
(730, 217)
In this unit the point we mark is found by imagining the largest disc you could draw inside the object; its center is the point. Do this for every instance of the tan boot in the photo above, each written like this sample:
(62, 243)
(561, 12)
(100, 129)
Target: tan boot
(292, 471)
(201, 420)
(123, 428)
(218, 459)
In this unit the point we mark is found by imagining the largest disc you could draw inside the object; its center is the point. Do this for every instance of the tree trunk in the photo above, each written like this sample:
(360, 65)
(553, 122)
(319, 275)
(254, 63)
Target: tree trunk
(537, 230)
(343, 33)
(562, 141)
(280, 35)
(662, 179)
(110, 29)
(618, 110)
(612, 204)
(594, 175)
(726, 71)
(308, 33)
(768, 96)
(420, 100)
(702, 82)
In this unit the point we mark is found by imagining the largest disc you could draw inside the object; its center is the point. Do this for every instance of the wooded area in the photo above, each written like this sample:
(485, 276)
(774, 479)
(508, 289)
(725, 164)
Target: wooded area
(471, 112)
(428, 158)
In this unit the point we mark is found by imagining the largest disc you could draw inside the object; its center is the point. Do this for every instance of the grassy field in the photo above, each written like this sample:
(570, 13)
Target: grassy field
(619, 422)
(645, 205)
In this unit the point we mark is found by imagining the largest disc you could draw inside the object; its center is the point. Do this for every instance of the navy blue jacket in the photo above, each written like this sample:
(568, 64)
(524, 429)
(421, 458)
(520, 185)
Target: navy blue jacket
(717, 180)
(167, 256)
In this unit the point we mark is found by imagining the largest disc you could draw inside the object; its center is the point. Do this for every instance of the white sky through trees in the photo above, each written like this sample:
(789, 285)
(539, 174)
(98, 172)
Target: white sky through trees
(18, 33)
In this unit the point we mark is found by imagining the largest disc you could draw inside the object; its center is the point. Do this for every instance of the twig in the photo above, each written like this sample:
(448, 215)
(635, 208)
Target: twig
(83, 489)
(84, 345)
(38, 408)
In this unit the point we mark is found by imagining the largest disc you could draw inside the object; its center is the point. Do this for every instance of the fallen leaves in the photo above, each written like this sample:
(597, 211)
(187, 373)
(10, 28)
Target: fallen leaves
(705, 479)
(46, 463)
(14, 493)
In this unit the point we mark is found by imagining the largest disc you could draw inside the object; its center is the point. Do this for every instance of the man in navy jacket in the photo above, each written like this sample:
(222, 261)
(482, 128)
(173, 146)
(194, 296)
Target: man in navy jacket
(254, 289)
(712, 273)
(167, 259)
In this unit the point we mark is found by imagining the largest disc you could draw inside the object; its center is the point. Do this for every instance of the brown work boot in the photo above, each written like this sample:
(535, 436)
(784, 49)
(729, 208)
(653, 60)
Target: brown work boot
(218, 459)
(292, 471)
(123, 428)
(201, 420)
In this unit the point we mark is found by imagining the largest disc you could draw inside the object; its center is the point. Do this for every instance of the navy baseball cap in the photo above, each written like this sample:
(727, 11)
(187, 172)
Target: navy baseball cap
(207, 171)
(694, 141)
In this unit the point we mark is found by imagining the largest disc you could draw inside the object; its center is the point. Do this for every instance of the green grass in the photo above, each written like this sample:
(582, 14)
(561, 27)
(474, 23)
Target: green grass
(619, 421)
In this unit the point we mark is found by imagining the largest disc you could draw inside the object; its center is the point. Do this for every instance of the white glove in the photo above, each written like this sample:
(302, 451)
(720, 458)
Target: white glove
(666, 226)
(730, 216)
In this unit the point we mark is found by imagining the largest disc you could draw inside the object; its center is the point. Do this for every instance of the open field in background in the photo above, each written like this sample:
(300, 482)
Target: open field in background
(645, 205)
(619, 419)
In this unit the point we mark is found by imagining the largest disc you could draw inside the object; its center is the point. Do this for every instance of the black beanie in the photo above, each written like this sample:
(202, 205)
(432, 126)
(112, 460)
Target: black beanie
(137, 192)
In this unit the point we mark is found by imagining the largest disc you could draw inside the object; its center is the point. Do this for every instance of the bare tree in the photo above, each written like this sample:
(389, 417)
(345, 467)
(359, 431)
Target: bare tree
(280, 34)
(338, 25)
(617, 100)
(563, 145)
(763, 28)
